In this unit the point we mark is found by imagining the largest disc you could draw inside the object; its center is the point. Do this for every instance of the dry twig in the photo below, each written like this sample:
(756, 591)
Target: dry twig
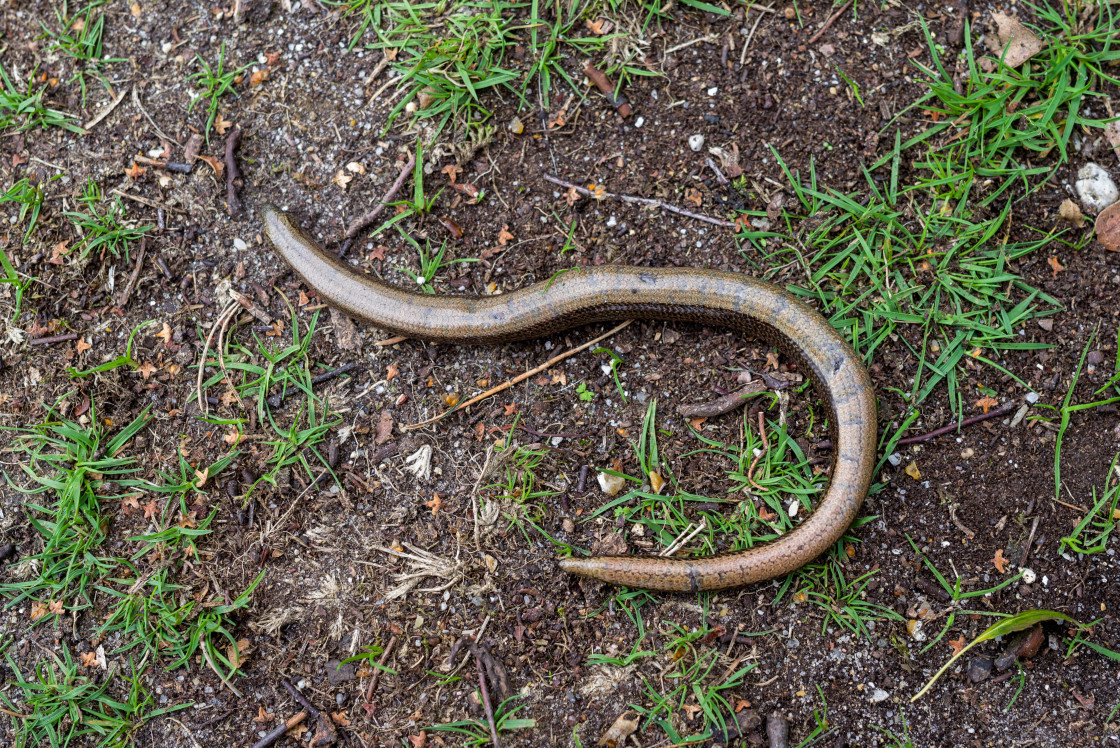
(233, 172)
(640, 201)
(519, 378)
(360, 223)
(831, 20)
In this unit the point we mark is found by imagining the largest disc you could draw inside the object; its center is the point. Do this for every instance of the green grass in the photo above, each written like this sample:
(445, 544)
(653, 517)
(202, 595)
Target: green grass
(28, 194)
(996, 132)
(18, 281)
(475, 732)
(212, 83)
(79, 36)
(20, 110)
(1092, 533)
(71, 466)
(272, 368)
(103, 226)
(59, 706)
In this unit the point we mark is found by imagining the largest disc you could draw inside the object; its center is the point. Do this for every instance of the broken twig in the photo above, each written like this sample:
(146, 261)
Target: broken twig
(640, 201)
(831, 20)
(278, 399)
(1001, 410)
(280, 730)
(52, 339)
(725, 404)
(599, 78)
(360, 223)
(519, 378)
(233, 173)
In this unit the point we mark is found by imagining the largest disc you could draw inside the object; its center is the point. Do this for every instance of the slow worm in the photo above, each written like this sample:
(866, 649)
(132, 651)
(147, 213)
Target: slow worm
(597, 294)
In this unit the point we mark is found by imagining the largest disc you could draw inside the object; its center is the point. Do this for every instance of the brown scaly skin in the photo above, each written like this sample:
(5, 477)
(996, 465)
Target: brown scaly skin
(597, 294)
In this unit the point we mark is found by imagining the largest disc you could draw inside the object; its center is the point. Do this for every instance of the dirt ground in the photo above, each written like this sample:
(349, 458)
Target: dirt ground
(327, 583)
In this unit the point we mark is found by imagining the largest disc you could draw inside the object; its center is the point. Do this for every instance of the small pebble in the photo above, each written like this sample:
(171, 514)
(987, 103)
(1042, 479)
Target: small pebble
(713, 91)
(240, 244)
(790, 13)
(711, 119)
(1029, 576)
(895, 459)
(1096, 189)
(611, 484)
(1032, 397)
(879, 695)
(639, 121)
(979, 669)
(696, 142)
(516, 126)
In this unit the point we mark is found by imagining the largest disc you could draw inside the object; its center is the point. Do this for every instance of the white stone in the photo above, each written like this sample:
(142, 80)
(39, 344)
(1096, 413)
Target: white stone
(895, 459)
(639, 121)
(611, 484)
(239, 244)
(713, 91)
(879, 695)
(1095, 188)
(696, 142)
(1032, 397)
(1029, 576)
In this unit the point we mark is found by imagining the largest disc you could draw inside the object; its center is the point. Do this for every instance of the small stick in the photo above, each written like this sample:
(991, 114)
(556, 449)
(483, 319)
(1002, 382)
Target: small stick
(174, 166)
(126, 292)
(1030, 542)
(720, 176)
(152, 122)
(759, 456)
(218, 323)
(279, 731)
(474, 497)
(107, 111)
(52, 339)
(1006, 407)
(519, 378)
(725, 404)
(301, 699)
(221, 678)
(599, 78)
(641, 201)
(777, 730)
(214, 720)
(360, 223)
(685, 537)
(233, 173)
(145, 201)
(391, 341)
(278, 399)
(485, 696)
(380, 664)
(829, 22)
(250, 307)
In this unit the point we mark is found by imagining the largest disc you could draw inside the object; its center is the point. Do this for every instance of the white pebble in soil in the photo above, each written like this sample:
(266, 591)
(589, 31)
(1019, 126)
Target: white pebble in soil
(639, 121)
(696, 142)
(240, 245)
(1095, 188)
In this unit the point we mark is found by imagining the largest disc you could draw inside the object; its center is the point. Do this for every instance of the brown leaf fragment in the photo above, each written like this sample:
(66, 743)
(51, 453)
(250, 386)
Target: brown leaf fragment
(624, 726)
(345, 332)
(1108, 228)
(1000, 562)
(1071, 212)
(1014, 42)
(384, 428)
(194, 147)
(1055, 266)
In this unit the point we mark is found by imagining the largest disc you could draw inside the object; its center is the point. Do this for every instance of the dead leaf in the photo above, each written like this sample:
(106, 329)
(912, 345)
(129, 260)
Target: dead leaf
(134, 171)
(691, 710)
(452, 171)
(214, 164)
(130, 502)
(341, 178)
(258, 77)
(165, 334)
(419, 741)
(345, 332)
(957, 644)
(391, 371)
(146, 369)
(202, 476)
(384, 428)
(572, 196)
(150, 509)
(1108, 228)
(435, 503)
(221, 124)
(504, 236)
(134, 9)
(55, 607)
(1014, 42)
(599, 26)
(696, 423)
(1000, 562)
(357, 167)
(340, 719)
(987, 403)
(913, 471)
(82, 346)
(1056, 266)
(624, 726)
(193, 148)
(38, 610)
(692, 196)
(89, 659)
(1071, 212)
(263, 716)
(234, 436)
(656, 482)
